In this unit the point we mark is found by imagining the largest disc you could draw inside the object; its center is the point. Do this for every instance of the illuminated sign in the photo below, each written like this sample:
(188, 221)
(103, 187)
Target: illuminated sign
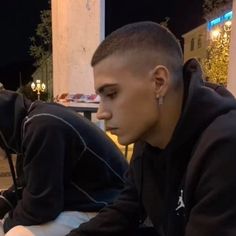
(219, 20)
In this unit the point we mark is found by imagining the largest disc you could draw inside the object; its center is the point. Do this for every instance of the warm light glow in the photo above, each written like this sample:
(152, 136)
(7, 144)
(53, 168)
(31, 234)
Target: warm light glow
(38, 87)
(228, 25)
(43, 86)
(215, 34)
(33, 86)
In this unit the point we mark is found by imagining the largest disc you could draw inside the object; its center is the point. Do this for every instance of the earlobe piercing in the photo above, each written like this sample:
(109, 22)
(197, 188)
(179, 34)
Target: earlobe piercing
(160, 100)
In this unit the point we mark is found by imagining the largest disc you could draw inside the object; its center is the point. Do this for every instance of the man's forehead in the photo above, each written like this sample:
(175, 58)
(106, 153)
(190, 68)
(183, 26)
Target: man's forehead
(112, 62)
(108, 70)
(133, 60)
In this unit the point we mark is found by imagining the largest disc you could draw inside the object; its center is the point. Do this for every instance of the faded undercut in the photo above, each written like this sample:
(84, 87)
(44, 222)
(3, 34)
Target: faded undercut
(142, 36)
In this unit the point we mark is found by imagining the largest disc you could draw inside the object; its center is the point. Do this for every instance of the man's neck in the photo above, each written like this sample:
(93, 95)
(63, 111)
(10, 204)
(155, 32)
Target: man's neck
(170, 113)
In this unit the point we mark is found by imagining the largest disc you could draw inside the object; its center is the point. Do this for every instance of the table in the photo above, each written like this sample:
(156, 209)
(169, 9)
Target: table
(86, 108)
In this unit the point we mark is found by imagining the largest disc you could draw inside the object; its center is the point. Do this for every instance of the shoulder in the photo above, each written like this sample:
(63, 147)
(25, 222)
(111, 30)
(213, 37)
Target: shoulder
(221, 128)
(51, 115)
(216, 144)
(214, 153)
(46, 121)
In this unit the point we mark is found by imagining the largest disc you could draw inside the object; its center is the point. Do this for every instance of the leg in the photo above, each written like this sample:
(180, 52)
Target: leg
(146, 231)
(61, 226)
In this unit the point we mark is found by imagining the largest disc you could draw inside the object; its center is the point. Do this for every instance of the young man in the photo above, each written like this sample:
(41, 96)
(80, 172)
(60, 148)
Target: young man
(182, 174)
(69, 169)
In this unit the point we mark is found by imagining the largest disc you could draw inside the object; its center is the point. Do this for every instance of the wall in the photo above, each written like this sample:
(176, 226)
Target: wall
(195, 34)
(78, 28)
(232, 57)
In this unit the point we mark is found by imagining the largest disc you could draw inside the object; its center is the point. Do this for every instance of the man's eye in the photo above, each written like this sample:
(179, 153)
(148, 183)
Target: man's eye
(111, 95)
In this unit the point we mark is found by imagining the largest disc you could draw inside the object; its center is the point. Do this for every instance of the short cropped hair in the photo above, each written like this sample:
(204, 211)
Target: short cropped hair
(143, 36)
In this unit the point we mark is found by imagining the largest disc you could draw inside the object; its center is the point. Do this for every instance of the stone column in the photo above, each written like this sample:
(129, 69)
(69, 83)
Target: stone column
(78, 28)
(232, 56)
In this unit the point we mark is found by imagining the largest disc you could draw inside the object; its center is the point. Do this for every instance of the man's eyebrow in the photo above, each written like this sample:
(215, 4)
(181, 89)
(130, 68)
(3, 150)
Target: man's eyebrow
(101, 89)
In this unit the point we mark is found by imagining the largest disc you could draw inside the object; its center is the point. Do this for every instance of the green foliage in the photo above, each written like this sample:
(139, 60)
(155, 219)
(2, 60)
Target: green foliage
(210, 5)
(215, 65)
(213, 8)
(41, 43)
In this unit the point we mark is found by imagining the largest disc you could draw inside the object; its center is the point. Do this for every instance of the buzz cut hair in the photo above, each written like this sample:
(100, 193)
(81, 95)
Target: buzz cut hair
(140, 36)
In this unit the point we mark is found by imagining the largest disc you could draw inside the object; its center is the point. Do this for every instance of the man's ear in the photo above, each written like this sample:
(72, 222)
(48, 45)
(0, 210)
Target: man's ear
(161, 80)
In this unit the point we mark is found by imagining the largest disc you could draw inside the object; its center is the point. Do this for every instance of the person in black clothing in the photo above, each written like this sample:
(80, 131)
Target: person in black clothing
(67, 168)
(182, 174)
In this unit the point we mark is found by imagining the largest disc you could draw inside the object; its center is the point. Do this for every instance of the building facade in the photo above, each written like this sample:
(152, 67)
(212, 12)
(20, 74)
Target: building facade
(197, 40)
(195, 43)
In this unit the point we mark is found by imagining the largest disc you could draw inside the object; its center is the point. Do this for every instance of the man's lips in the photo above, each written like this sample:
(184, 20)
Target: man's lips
(111, 129)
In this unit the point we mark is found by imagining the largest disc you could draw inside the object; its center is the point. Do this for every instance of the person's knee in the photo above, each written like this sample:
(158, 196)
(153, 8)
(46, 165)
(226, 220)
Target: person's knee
(19, 231)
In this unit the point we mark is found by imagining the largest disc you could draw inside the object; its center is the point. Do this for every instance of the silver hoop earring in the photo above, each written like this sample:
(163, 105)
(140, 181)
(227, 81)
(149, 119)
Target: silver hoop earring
(160, 100)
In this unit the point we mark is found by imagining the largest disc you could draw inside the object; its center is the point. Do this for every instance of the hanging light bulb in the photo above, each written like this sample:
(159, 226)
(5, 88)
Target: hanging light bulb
(215, 34)
(228, 25)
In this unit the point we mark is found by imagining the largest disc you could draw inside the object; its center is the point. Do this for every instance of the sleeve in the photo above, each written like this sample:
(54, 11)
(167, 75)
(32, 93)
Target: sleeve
(120, 218)
(5, 204)
(43, 195)
(8, 198)
(213, 211)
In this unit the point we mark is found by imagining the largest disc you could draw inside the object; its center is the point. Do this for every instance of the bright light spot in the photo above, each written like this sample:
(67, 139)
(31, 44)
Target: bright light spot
(228, 23)
(215, 34)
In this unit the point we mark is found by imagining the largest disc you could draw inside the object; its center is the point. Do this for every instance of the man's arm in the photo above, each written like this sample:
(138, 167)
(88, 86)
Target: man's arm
(43, 194)
(8, 197)
(7, 201)
(121, 217)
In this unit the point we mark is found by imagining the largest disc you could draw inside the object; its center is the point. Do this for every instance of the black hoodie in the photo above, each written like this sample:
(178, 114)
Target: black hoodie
(69, 164)
(189, 188)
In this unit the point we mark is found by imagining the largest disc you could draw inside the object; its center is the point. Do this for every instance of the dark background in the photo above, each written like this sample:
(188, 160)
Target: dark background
(18, 21)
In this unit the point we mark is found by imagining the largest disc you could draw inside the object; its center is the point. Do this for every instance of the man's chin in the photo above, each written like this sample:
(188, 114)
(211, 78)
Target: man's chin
(124, 141)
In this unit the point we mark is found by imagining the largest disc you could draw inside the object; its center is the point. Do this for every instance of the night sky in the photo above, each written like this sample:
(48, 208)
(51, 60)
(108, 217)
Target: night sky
(184, 14)
(18, 21)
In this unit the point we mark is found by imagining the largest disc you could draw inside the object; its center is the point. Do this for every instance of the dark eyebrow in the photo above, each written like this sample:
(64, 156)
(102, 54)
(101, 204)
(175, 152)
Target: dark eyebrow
(104, 87)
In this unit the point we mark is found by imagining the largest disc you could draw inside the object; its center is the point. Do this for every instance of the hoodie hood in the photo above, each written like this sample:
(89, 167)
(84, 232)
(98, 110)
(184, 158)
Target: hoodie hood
(13, 109)
(203, 102)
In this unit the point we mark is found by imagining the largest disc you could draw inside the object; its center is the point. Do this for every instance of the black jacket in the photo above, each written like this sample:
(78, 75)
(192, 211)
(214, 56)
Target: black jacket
(189, 188)
(68, 162)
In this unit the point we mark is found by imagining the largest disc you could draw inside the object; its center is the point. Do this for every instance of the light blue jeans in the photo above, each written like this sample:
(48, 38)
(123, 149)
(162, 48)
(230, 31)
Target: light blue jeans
(61, 226)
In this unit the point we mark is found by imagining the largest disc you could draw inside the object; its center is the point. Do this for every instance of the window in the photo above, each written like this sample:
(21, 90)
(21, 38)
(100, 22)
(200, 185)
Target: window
(199, 41)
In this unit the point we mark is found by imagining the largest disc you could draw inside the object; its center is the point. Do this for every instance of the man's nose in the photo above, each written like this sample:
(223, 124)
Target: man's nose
(103, 114)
